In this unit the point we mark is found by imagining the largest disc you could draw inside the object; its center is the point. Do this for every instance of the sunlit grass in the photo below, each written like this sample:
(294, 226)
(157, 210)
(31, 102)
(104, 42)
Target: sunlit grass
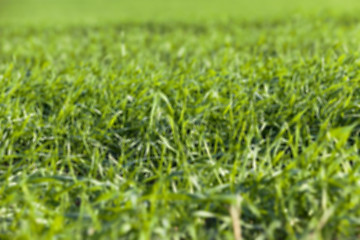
(180, 130)
(65, 12)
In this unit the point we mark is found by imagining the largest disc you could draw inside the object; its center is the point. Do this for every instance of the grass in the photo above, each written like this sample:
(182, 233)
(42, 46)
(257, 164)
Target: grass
(220, 128)
(52, 12)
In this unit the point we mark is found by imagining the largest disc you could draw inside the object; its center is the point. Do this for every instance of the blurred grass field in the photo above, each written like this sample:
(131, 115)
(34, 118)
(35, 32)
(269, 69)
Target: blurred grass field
(112, 11)
(179, 120)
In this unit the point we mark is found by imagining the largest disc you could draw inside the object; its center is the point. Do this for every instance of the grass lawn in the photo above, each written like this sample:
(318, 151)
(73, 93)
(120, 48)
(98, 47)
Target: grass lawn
(179, 120)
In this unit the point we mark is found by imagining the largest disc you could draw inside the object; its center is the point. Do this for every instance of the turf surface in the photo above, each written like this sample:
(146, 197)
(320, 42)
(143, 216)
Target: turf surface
(221, 127)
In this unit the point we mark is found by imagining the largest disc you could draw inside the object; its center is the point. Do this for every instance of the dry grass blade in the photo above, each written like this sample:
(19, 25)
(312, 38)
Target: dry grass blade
(235, 213)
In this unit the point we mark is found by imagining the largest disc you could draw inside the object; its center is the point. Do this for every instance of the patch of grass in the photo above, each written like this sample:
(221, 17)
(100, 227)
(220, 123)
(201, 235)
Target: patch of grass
(51, 12)
(177, 130)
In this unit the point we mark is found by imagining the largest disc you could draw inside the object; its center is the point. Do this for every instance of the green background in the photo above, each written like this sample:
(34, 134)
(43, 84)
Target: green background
(95, 11)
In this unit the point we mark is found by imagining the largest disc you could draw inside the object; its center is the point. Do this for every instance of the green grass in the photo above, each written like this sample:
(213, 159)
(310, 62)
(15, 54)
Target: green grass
(133, 127)
(54, 12)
